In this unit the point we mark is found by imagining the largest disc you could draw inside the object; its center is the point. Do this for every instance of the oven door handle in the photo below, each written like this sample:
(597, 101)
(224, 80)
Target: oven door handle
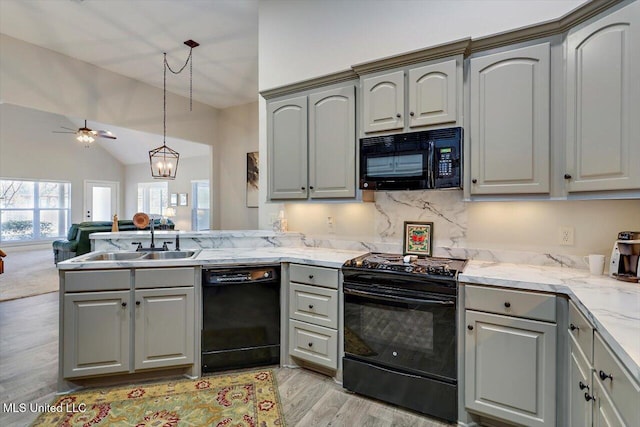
(396, 298)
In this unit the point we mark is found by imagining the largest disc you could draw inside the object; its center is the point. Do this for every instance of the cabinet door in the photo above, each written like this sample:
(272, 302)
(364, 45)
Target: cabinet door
(603, 103)
(287, 147)
(96, 333)
(383, 102)
(433, 94)
(164, 327)
(510, 102)
(332, 143)
(510, 368)
(580, 391)
(604, 414)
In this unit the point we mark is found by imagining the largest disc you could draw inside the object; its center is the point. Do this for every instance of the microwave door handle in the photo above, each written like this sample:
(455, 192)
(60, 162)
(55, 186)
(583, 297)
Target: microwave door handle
(396, 298)
(432, 150)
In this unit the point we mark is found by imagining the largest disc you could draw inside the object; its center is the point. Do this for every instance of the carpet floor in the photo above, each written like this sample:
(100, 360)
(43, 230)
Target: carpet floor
(238, 399)
(28, 273)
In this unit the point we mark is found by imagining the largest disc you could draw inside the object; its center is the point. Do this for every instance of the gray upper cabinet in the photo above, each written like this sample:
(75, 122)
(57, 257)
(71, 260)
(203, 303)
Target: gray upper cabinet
(332, 143)
(429, 98)
(312, 145)
(603, 103)
(510, 104)
(383, 102)
(433, 94)
(287, 148)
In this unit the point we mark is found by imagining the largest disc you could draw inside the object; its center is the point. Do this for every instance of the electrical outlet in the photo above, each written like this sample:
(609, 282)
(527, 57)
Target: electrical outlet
(330, 224)
(566, 236)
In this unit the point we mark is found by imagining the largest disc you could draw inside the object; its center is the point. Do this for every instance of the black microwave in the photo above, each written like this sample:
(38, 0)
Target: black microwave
(412, 161)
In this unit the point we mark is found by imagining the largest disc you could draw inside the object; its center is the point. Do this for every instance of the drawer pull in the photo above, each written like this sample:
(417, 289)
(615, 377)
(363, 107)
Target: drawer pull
(588, 398)
(470, 327)
(311, 276)
(507, 304)
(604, 376)
(573, 327)
(583, 386)
(310, 344)
(124, 304)
(310, 306)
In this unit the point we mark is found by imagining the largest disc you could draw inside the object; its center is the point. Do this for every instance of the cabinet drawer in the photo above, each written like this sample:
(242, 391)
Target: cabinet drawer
(581, 330)
(319, 276)
(313, 304)
(512, 303)
(624, 392)
(605, 413)
(164, 277)
(87, 281)
(313, 343)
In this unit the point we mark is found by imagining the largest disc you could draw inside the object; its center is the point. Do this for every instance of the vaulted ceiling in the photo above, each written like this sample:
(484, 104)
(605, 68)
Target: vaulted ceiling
(129, 37)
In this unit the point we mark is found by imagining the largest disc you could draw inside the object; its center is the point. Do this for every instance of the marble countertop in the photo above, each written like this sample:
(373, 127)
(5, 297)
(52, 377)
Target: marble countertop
(322, 257)
(612, 306)
(200, 234)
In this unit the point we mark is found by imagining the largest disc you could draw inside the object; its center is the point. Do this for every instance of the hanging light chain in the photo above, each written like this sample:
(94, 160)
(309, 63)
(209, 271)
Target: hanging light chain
(188, 61)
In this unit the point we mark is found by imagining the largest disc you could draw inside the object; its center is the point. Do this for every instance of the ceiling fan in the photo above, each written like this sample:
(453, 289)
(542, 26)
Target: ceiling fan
(87, 135)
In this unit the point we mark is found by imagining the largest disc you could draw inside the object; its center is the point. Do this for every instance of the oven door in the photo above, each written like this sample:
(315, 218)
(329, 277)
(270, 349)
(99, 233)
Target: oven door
(401, 330)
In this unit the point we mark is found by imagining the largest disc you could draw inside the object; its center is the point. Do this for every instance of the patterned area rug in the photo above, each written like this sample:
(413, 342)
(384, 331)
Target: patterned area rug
(236, 400)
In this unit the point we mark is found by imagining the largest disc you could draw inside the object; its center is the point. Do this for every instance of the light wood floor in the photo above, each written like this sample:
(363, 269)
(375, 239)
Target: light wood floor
(29, 364)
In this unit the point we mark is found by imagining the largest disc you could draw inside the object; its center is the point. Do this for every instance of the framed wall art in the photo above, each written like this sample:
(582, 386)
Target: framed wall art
(184, 199)
(173, 199)
(417, 238)
(253, 176)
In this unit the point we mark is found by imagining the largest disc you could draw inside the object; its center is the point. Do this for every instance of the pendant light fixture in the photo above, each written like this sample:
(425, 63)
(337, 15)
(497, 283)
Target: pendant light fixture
(164, 160)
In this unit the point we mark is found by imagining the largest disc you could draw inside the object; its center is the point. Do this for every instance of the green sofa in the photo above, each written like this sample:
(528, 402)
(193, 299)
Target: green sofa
(78, 242)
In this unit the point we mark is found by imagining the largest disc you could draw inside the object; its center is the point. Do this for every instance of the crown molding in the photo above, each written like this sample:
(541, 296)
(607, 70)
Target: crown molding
(458, 47)
(340, 76)
(545, 29)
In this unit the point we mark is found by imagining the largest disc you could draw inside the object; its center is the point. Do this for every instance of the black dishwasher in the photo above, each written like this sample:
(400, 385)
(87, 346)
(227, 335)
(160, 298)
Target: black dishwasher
(241, 317)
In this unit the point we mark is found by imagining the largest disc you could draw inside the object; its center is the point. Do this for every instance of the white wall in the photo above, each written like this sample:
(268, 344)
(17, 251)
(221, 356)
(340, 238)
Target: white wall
(304, 39)
(189, 169)
(30, 150)
(238, 136)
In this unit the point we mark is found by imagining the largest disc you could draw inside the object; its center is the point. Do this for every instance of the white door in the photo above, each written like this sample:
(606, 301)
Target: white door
(100, 200)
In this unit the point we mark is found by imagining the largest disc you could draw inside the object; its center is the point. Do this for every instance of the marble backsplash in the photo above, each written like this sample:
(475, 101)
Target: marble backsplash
(264, 239)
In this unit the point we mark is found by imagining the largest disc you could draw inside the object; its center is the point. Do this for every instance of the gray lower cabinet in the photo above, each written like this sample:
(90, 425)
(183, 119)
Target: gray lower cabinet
(126, 330)
(601, 391)
(603, 103)
(509, 135)
(96, 333)
(580, 401)
(311, 143)
(510, 358)
(164, 327)
(313, 315)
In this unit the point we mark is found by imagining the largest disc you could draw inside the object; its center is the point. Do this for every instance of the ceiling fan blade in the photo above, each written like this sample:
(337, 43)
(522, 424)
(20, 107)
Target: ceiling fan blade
(106, 134)
(62, 131)
(64, 127)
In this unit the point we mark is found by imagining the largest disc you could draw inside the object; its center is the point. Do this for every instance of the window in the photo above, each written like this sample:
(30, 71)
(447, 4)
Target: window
(153, 197)
(200, 203)
(34, 210)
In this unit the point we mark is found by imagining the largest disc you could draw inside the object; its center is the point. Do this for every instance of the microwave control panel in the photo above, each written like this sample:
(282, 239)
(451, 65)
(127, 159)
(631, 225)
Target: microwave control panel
(445, 162)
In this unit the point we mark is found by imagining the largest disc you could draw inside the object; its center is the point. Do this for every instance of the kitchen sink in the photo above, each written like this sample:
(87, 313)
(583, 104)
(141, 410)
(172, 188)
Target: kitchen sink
(114, 256)
(169, 255)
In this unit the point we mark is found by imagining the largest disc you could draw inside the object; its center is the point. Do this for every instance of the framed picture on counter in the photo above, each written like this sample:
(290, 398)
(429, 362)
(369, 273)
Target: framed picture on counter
(417, 238)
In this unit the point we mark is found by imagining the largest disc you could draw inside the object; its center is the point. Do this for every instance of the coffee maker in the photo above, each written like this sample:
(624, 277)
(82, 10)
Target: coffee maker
(624, 257)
